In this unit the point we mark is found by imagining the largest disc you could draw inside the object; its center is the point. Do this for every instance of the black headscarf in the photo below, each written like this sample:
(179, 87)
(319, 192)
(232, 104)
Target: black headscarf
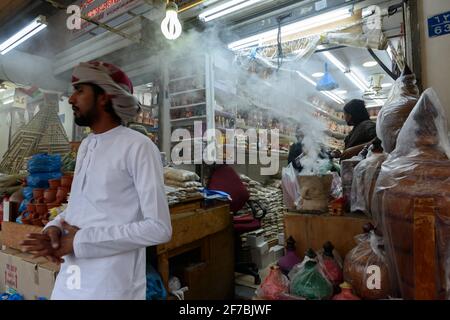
(357, 109)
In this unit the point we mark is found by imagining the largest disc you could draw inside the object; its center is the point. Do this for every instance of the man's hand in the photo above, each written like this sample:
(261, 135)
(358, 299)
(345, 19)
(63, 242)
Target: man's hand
(51, 244)
(66, 242)
(43, 244)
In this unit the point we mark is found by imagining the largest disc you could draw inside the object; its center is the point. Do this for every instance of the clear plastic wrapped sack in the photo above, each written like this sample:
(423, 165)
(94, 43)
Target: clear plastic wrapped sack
(180, 175)
(274, 285)
(365, 267)
(309, 281)
(330, 263)
(291, 190)
(412, 203)
(336, 186)
(290, 259)
(402, 99)
(365, 176)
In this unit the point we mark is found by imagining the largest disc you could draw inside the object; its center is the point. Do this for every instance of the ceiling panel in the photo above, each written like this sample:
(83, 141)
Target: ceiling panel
(10, 8)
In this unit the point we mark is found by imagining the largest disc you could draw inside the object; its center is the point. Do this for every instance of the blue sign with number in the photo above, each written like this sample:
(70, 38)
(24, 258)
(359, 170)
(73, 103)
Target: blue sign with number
(439, 25)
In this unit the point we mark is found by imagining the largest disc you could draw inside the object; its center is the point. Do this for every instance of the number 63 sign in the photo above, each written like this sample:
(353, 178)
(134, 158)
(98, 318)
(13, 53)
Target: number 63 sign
(439, 25)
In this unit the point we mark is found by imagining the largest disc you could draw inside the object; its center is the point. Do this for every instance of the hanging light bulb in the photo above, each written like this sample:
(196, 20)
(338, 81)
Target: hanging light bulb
(171, 26)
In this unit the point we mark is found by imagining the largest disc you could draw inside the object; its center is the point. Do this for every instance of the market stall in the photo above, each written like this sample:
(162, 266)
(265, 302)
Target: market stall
(263, 94)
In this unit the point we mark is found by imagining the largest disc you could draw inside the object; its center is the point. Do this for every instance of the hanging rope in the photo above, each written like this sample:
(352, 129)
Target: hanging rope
(279, 45)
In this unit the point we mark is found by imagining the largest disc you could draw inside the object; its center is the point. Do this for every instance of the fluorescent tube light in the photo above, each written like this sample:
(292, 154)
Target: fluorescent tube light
(8, 101)
(303, 25)
(348, 73)
(318, 74)
(226, 8)
(370, 64)
(34, 27)
(356, 80)
(335, 61)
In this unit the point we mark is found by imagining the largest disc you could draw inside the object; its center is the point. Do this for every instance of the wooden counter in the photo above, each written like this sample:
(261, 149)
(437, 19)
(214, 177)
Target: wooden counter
(312, 231)
(209, 231)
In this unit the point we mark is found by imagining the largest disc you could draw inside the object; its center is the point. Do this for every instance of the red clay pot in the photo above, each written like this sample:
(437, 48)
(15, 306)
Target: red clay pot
(61, 195)
(41, 209)
(54, 183)
(38, 194)
(50, 195)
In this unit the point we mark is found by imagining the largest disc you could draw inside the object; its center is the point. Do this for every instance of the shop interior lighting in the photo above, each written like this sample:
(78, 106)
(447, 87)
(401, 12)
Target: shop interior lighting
(8, 101)
(386, 85)
(318, 75)
(171, 26)
(341, 92)
(328, 94)
(26, 33)
(226, 8)
(357, 81)
(370, 64)
(303, 25)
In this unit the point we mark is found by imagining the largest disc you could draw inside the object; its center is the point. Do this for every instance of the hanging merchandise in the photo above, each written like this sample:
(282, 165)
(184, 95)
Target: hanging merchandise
(291, 191)
(346, 292)
(308, 281)
(402, 99)
(365, 266)
(327, 83)
(365, 176)
(412, 202)
(290, 259)
(274, 286)
(331, 265)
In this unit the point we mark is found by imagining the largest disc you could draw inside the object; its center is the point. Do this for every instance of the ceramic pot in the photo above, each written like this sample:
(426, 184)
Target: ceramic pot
(66, 181)
(61, 195)
(38, 195)
(346, 293)
(54, 183)
(41, 209)
(50, 195)
(31, 208)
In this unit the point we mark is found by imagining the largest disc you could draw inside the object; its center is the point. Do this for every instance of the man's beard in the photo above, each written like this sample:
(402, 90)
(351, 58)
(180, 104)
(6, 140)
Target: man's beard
(87, 119)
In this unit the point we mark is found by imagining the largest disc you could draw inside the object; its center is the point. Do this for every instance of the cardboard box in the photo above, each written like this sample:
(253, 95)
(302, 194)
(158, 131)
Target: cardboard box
(32, 278)
(14, 233)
